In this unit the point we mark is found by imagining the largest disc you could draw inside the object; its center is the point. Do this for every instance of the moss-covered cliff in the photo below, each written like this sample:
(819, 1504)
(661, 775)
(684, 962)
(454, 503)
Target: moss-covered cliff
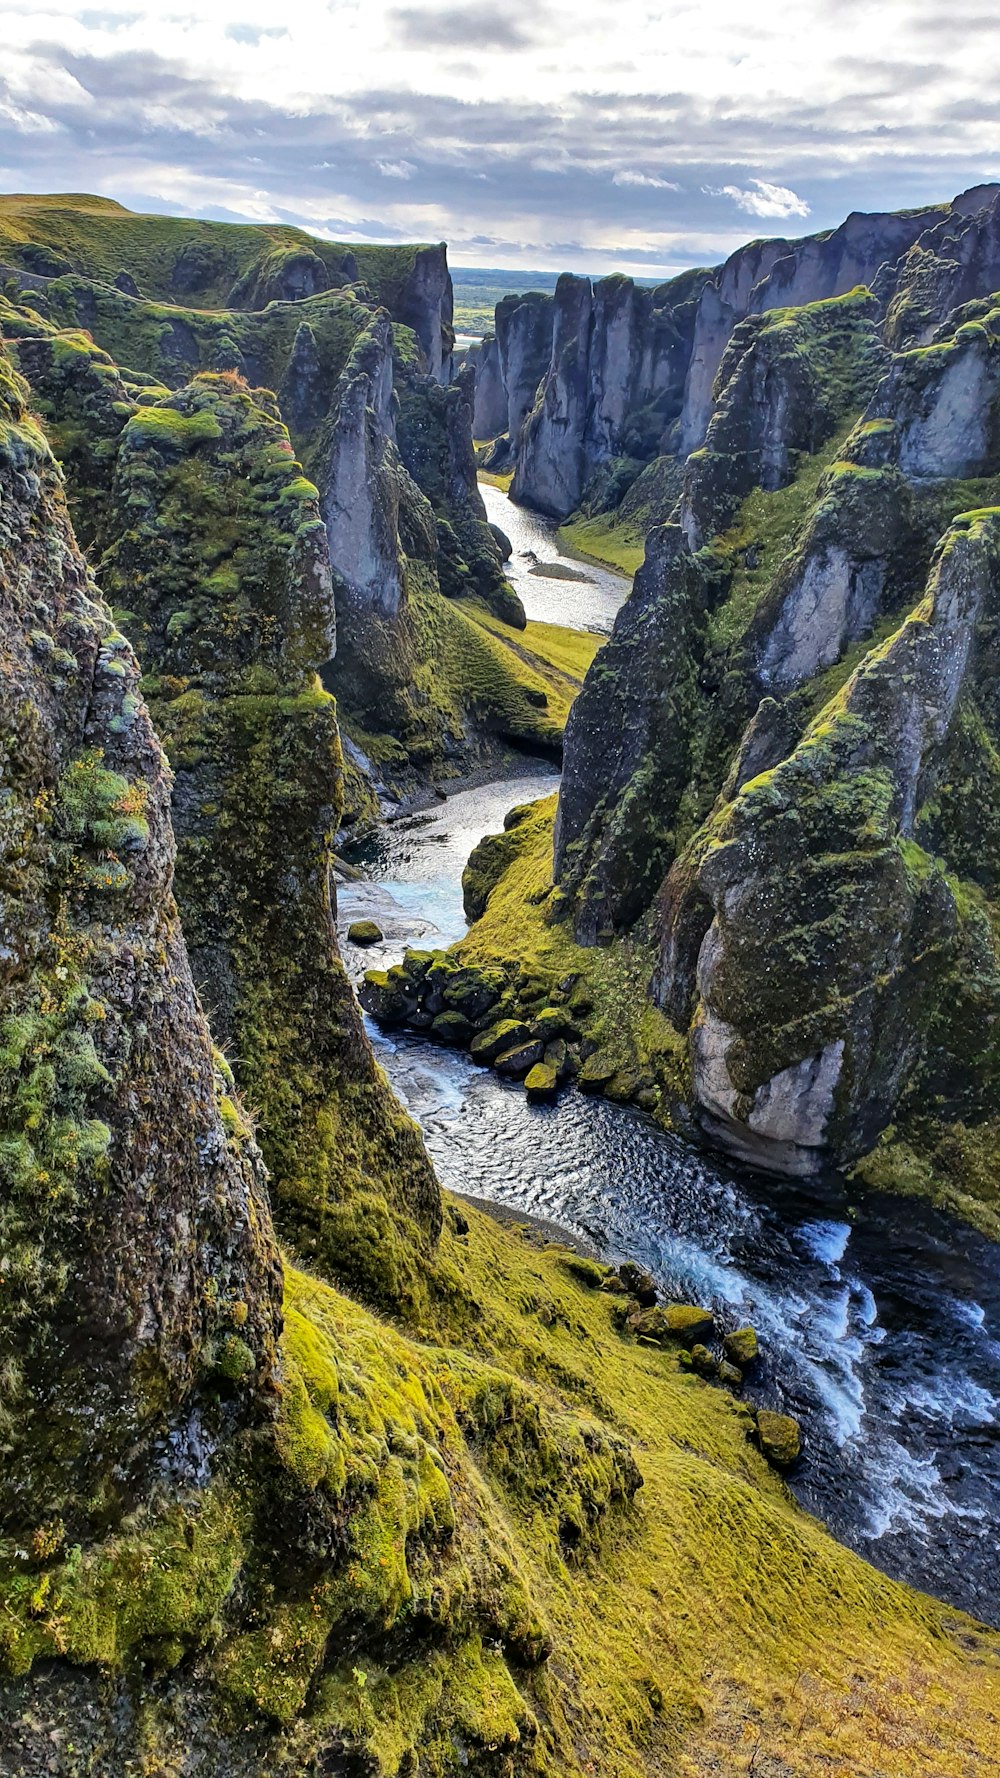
(780, 791)
(496, 1534)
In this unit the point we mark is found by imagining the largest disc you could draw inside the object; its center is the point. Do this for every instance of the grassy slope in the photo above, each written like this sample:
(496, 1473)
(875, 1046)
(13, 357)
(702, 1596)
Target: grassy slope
(616, 546)
(102, 238)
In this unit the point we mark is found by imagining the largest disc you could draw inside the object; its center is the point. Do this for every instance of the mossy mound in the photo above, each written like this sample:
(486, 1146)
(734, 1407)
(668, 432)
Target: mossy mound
(459, 1541)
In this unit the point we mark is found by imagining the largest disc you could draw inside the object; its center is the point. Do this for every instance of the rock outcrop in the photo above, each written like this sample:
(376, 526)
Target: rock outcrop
(490, 404)
(138, 1257)
(832, 944)
(222, 558)
(612, 387)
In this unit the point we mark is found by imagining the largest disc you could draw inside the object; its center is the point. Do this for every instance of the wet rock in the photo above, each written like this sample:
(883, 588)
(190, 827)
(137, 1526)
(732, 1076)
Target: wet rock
(730, 1374)
(453, 1028)
(780, 1437)
(703, 1362)
(364, 932)
(740, 1346)
(383, 998)
(541, 1083)
(557, 1057)
(499, 1038)
(520, 1059)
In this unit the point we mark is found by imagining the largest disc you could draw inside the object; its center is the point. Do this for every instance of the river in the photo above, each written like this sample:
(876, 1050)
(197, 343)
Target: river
(879, 1317)
(588, 601)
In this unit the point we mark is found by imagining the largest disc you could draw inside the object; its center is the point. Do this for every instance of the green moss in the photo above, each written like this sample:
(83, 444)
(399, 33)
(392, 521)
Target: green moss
(766, 532)
(617, 546)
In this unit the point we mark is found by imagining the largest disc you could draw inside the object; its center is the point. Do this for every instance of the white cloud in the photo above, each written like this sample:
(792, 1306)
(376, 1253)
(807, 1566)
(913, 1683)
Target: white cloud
(765, 199)
(625, 176)
(396, 169)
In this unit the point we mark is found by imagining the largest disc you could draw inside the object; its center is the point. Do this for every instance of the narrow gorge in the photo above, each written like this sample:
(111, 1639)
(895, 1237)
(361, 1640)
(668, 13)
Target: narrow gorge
(498, 1061)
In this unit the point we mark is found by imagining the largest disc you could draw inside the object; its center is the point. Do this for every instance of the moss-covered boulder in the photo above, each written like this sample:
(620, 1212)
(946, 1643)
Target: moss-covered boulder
(519, 1058)
(498, 1038)
(541, 1082)
(780, 1437)
(453, 1028)
(365, 932)
(741, 1346)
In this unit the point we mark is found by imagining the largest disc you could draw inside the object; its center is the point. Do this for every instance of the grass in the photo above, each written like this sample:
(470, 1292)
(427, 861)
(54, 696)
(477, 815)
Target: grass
(515, 930)
(99, 238)
(595, 540)
(569, 651)
(501, 481)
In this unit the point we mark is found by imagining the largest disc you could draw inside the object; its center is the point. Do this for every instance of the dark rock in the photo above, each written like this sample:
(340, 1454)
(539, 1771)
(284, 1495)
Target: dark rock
(496, 1039)
(364, 932)
(638, 1282)
(519, 1059)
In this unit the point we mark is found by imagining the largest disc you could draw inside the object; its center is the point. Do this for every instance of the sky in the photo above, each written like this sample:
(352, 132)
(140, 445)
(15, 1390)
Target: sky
(617, 135)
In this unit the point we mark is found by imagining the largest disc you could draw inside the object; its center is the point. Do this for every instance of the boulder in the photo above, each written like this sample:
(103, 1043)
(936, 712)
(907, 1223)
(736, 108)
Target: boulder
(638, 1283)
(519, 1059)
(541, 1082)
(364, 932)
(703, 1362)
(780, 1437)
(549, 1023)
(384, 1000)
(497, 1038)
(452, 1027)
(688, 1323)
(730, 1374)
(741, 1347)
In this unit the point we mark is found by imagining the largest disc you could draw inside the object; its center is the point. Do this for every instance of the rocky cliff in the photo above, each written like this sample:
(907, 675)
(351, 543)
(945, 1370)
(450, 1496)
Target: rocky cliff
(139, 1263)
(404, 522)
(632, 375)
(791, 732)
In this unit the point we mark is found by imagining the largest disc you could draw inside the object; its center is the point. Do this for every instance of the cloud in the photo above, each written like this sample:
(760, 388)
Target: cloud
(625, 176)
(457, 27)
(396, 169)
(764, 199)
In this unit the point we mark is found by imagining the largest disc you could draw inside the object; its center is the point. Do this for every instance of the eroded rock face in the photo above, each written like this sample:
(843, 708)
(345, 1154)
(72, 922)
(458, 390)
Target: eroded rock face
(955, 259)
(357, 476)
(426, 304)
(490, 408)
(785, 382)
(627, 753)
(224, 560)
(137, 1237)
(775, 274)
(524, 332)
(612, 386)
(830, 948)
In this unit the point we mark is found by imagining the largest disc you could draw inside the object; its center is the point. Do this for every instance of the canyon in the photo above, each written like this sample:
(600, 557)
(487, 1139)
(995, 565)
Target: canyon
(314, 1462)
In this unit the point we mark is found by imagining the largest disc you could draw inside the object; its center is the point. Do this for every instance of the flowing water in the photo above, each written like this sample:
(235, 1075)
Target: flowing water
(879, 1317)
(587, 603)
